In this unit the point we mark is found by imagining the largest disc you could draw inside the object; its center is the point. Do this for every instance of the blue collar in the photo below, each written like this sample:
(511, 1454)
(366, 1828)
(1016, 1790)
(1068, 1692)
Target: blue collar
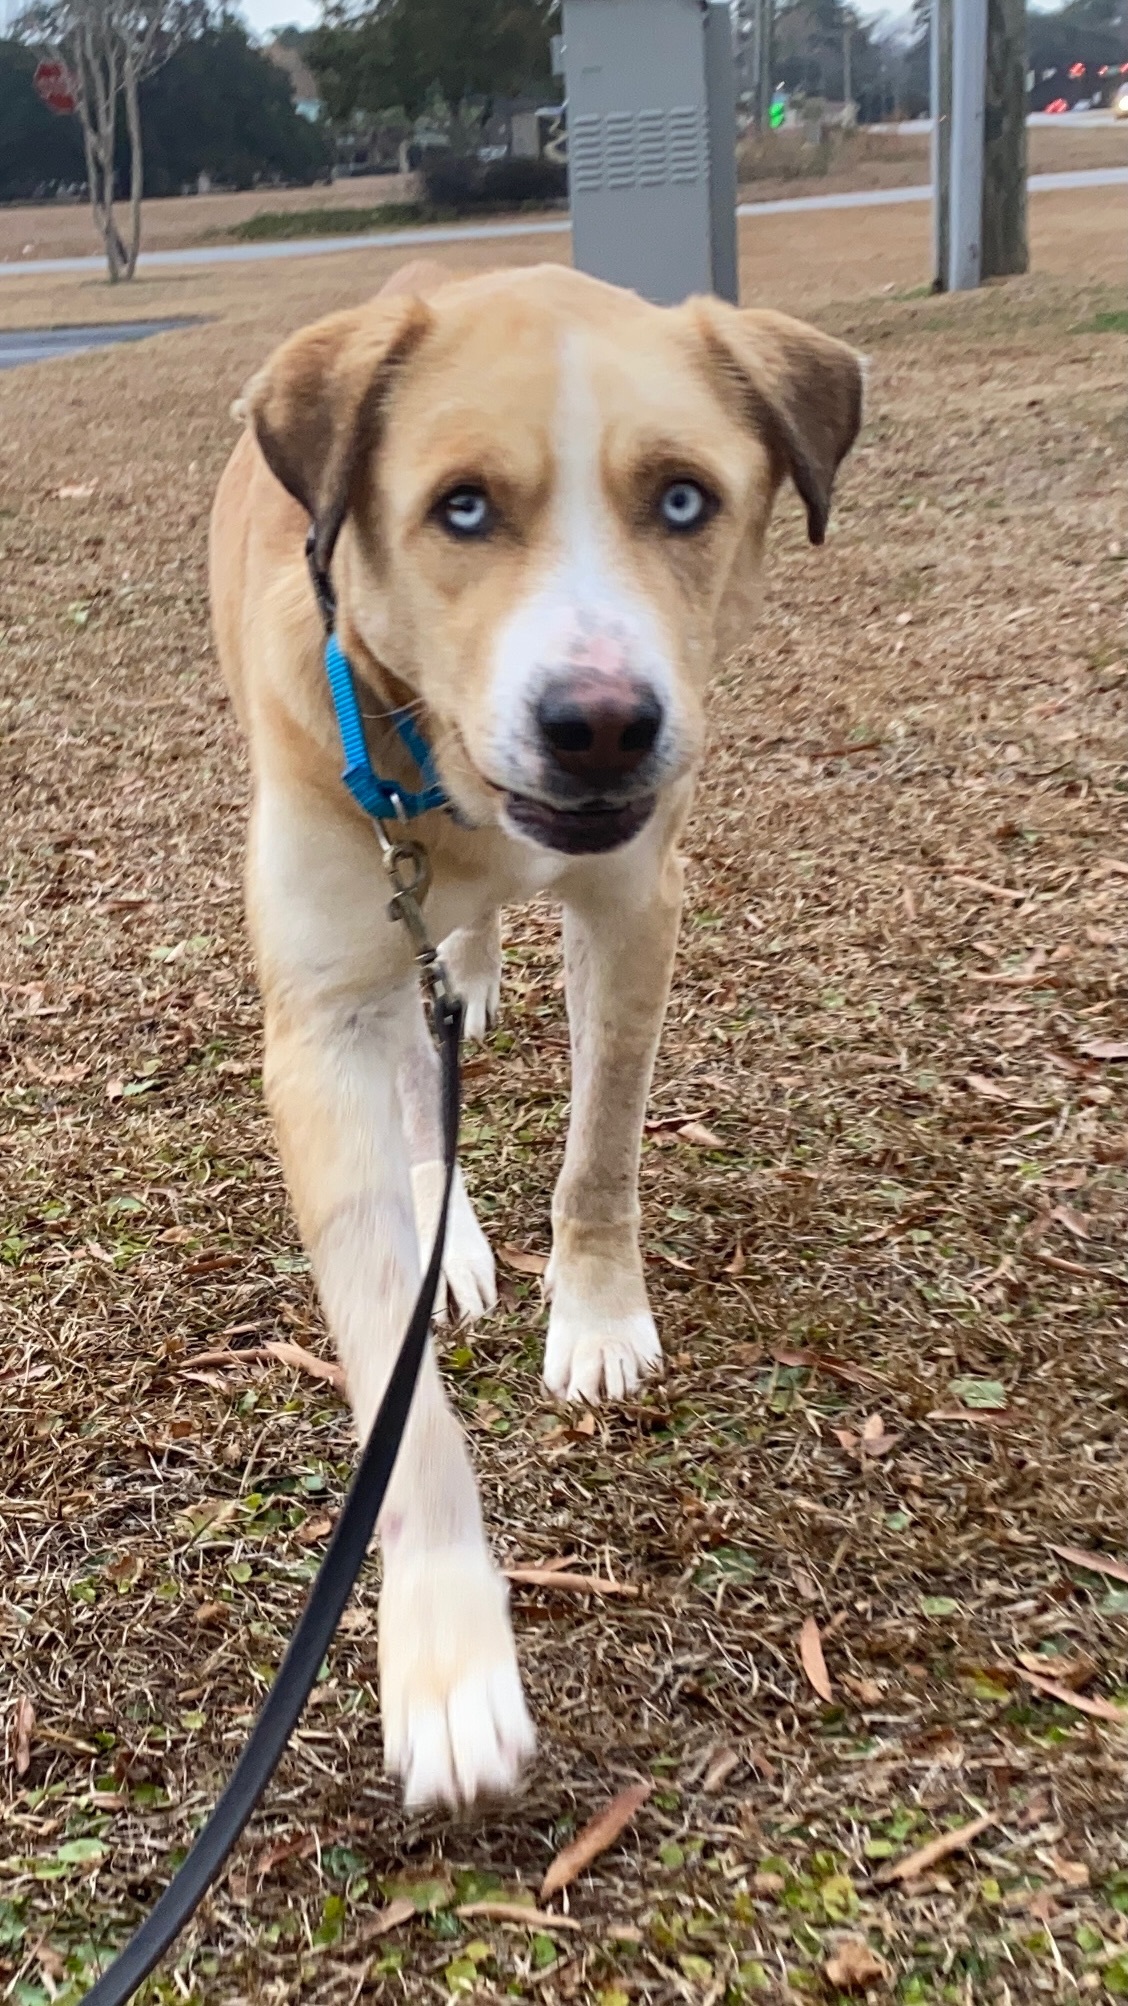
(385, 800)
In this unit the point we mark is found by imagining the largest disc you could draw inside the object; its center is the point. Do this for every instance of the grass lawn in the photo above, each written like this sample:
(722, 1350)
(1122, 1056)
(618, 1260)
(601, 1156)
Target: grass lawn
(884, 1180)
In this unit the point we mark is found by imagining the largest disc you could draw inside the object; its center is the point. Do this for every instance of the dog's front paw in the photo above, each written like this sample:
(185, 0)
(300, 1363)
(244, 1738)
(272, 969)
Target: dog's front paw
(591, 1352)
(472, 958)
(456, 1726)
(468, 1264)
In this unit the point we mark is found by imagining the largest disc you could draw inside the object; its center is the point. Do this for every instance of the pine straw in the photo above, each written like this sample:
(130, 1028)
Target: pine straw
(907, 899)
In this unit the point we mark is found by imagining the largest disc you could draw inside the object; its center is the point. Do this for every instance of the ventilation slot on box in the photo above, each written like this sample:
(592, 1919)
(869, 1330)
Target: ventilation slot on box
(685, 143)
(619, 149)
(652, 149)
(585, 150)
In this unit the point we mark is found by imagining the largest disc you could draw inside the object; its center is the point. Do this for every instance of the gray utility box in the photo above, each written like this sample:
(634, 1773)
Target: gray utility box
(652, 144)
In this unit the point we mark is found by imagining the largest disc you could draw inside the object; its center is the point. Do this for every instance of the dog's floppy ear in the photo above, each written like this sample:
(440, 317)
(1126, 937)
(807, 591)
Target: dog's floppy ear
(799, 389)
(316, 406)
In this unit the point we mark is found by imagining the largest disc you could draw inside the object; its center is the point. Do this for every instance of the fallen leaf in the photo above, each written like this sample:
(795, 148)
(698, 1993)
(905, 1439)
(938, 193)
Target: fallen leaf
(228, 1354)
(1097, 1709)
(210, 1615)
(1074, 1873)
(989, 1394)
(979, 1420)
(114, 1089)
(719, 1770)
(1073, 1221)
(314, 1530)
(1016, 978)
(854, 1966)
(285, 1349)
(59, 1076)
(77, 491)
(989, 890)
(937, 1849)
(523, 1263)
(700, 1136)
(272, 1856)
(1081, 1268)
(1103, 1048)
(1073, 1670)
(1042, 1905)
(867, 1692)
(767, 1883)
(875, 1441)
(532, 1918)
(990, 1090)
(600, 1833)
(23, 1727)
(575, 1584)
(738, 1262)
(811, 1655)
(1097, 1563)
(820, 1361)
(390, 1917)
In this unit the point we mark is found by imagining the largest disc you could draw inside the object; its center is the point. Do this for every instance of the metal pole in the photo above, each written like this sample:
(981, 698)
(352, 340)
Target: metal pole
(940, 97)
(969, 85)
(767, 58)
(755, 62)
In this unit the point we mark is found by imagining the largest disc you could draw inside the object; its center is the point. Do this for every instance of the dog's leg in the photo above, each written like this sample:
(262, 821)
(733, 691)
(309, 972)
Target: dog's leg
(468, 1265)
(455, 1723)
(620, 933)
(472, 958)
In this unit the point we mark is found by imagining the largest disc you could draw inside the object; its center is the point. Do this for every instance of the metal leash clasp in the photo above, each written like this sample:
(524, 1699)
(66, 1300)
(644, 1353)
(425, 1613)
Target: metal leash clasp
(408, 869)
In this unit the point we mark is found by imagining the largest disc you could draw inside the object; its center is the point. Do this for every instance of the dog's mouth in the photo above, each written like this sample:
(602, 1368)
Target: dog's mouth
(578, 832)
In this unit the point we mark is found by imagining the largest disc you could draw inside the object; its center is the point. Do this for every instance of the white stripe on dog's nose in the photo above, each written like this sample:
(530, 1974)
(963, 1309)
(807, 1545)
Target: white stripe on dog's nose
(585, 614)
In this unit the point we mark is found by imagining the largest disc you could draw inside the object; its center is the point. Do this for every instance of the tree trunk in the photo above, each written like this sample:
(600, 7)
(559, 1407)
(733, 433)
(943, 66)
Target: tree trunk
(100, 95)
(1004, 150)
(136, 166)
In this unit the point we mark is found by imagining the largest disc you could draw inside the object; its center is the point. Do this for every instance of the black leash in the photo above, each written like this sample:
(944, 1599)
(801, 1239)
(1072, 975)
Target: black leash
(406, 865)
(318, 1622)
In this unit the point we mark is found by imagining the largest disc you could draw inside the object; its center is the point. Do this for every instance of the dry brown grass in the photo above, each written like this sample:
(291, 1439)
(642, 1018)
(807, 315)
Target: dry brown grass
(785, 163)
(904, 954)
(172, 222)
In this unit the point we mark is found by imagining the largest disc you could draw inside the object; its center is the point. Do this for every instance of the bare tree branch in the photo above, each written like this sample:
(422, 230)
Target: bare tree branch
(109, 47)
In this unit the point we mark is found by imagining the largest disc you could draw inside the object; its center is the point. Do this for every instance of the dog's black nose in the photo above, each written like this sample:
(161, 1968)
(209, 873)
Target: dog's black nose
(599, 731)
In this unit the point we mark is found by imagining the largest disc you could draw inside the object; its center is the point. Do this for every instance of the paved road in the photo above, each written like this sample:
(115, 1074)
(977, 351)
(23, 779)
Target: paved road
(483, 233)
(40, 344)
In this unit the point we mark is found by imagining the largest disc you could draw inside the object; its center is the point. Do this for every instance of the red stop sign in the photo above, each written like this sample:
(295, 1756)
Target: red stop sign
(54, 84)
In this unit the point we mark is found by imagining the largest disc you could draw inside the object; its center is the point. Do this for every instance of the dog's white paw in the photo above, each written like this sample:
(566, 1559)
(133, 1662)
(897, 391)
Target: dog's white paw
(472, 959)
(468, 1264)
(456, 1726)
(588, 1355)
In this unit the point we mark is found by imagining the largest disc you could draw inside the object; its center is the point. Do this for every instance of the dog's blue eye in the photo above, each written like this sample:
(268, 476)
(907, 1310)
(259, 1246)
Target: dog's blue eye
(466, 512)
(685, 506)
